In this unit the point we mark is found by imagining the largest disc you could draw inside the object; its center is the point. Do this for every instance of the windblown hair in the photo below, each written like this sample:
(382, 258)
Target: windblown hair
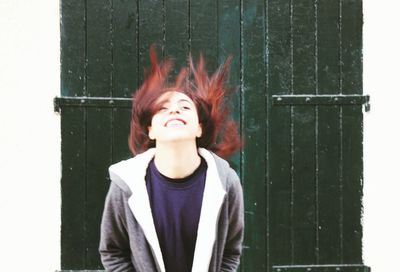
(219, 131)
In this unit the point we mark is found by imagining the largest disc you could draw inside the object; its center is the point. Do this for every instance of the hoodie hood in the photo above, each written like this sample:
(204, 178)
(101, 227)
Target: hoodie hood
(130, 174)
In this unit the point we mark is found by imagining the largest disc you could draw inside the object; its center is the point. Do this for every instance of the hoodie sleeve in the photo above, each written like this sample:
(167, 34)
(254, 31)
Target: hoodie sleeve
(114, 241)
(233, 246)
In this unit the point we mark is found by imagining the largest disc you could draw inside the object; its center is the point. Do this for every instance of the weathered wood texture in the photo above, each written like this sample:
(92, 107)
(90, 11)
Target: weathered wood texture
(298, 68)
(254, 117)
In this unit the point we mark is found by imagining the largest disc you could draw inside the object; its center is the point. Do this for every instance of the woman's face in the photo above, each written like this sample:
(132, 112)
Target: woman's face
(175, 119)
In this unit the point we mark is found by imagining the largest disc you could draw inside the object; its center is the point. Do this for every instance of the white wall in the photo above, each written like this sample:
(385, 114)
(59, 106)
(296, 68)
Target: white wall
(30, 137)
(382, 135)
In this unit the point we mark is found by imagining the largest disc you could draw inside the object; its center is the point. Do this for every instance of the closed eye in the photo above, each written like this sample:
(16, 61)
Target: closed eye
(162, 109)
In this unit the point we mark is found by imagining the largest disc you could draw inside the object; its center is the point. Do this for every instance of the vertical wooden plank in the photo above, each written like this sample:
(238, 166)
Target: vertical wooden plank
(73, 156)
(73, 152)
(329, 180)
(352, 124)
(120, 149)
(352, 185)
(99, 62)
(204, 31)
(303, 134)
(278, 138)
(177, 32)
(99, 144)
(229, 36)
(73, 52)
(229, 27)
(352, 20)
(229, 45)
(254, 119)
(125, 47)
(151, 31)
(126, 70)
(99, 83)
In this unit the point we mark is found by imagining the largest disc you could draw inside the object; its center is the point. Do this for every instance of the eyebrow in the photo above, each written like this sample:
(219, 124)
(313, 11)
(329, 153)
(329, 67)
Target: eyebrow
(180, 100)
(185, 100)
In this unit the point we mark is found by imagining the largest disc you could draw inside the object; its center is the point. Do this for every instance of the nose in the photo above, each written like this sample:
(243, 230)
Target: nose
(174, 109)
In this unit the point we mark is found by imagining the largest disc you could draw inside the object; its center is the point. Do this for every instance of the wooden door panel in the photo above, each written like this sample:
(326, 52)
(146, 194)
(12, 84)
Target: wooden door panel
(298, 68)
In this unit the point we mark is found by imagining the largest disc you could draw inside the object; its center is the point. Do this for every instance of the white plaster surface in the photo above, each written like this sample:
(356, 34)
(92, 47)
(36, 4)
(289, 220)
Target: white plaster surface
(30, 135)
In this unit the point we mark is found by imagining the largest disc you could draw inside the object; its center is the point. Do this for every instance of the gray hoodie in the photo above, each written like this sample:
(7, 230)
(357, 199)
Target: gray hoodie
(128, 240)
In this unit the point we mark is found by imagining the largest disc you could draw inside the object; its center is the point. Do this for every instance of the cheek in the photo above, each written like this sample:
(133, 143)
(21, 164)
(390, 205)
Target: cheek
(195, 115)
(156, 120)
(153, 124)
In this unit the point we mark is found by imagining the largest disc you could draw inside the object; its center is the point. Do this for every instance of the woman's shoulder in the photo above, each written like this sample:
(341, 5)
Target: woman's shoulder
(227, 174)
(127, 173)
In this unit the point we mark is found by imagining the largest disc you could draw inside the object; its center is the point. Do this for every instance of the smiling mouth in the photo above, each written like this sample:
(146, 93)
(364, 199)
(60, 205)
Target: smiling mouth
(175, 122)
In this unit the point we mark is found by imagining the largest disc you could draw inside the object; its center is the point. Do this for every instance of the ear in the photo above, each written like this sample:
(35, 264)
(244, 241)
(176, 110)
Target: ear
(199, 131)
(151, 136)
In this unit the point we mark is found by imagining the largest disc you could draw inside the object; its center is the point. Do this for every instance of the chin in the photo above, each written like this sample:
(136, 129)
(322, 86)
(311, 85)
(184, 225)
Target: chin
(177, 139)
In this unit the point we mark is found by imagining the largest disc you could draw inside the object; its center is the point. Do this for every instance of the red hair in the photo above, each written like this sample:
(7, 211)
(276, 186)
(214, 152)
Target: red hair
(219, 131)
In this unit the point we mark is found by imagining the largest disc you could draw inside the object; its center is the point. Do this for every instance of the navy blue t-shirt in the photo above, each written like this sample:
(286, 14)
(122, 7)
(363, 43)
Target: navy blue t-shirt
(176, 205)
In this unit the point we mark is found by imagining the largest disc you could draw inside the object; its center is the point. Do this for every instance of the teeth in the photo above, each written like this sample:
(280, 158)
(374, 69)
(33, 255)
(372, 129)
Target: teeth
(174, 122)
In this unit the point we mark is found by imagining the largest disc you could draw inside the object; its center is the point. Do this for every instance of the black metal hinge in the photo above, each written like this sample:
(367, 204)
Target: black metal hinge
(323, 100)
(98, 102)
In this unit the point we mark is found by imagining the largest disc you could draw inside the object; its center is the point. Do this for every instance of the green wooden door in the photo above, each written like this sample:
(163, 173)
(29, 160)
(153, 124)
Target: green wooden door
(298, 64)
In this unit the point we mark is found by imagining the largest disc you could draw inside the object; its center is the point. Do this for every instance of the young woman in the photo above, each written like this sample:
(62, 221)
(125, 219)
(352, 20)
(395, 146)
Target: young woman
(177, 205)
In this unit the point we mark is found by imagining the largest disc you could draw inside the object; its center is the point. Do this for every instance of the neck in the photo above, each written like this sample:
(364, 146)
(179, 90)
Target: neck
(176, 160)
